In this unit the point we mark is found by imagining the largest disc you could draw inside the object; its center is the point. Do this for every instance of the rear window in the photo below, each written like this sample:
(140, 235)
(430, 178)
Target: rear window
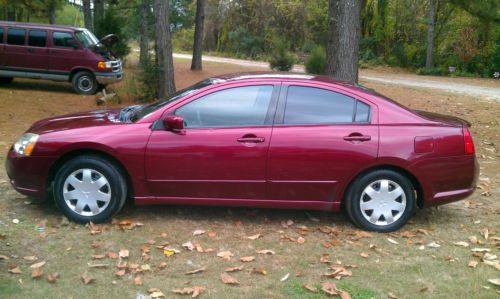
(1, 35)
(37, 38)
(16, 36)
(63, 39)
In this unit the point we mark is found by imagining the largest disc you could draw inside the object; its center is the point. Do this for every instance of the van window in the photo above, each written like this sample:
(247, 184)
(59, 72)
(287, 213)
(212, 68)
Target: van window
(1, 35)
(16, 36)
(37, 38)
(63, 39)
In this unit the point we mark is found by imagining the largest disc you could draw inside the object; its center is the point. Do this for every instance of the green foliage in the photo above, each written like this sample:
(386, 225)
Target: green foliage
(69, 15)
(316, 62)
(437, 71)
(294, 290)
(182, 39)
(147, 79)
(281, 58)
(243, 43)
(113, 23)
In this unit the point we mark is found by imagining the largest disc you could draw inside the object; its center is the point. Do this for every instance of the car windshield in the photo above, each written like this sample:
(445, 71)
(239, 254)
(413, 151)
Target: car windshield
(87, 38)
(148, 109)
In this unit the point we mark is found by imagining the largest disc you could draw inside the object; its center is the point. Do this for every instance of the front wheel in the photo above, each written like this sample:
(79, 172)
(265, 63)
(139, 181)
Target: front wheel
(381, 201)
(89, 188)
(84, 83)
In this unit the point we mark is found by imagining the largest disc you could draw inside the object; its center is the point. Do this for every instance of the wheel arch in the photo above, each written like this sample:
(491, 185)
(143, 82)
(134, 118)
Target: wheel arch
(89, 152)
(413, 179)
(79, 69)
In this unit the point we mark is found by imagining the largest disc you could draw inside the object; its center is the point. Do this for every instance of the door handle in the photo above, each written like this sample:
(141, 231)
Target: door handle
(251, 138)
(30, 50)
(357, 137)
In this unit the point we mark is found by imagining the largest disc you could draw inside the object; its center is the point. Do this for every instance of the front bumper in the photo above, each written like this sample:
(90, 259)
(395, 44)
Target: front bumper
(109, 78)
(28, 175)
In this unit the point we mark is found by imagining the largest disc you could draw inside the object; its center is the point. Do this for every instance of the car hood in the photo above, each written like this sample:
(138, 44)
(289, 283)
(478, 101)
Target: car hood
(443, 119)
(76, 121)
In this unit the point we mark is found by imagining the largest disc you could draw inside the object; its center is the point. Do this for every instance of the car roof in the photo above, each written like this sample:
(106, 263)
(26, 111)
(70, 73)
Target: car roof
(39, 26)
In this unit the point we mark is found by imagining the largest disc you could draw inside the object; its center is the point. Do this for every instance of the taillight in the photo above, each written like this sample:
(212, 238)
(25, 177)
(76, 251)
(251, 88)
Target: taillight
(468, 142)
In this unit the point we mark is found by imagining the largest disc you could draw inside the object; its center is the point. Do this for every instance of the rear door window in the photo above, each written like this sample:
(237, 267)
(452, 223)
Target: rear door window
(37, 38)
(63, 39)
(16, 36)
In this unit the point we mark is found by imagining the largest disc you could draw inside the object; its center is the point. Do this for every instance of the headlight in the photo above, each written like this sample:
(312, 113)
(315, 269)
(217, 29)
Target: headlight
(25, 145)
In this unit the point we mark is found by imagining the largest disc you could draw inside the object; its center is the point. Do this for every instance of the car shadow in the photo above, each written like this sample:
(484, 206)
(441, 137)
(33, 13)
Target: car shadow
(38, 85)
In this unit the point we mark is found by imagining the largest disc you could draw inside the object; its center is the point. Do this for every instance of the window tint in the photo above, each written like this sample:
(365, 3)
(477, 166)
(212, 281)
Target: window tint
(16, 36)
(37, 38)
(63, 39)
(1, 35)
(240, 106)
(308, 105)
(362, 112)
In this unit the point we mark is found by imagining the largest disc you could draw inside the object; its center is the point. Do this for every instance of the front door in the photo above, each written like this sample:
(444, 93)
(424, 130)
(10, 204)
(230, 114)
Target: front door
(321, 138)
(221, 153)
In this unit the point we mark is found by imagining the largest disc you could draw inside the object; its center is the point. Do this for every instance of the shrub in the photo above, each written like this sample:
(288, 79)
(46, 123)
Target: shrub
(281, 58)
(316, 62)
(437, 71)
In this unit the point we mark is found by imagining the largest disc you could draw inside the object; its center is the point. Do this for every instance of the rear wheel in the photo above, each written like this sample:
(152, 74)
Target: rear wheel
(381, 201)
(89, 188)
(6, 80)
(84, 83)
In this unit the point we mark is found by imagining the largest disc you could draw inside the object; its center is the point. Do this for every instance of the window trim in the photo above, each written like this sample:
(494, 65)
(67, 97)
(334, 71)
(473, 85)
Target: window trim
(38, 30)
(280, 114)
(18, 28)
(63, 47)
(268, 120)
(2, 35)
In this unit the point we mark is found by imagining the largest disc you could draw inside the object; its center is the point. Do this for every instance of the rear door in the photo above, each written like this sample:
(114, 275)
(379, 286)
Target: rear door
(15, 50)
(320, 139)
(38, 53)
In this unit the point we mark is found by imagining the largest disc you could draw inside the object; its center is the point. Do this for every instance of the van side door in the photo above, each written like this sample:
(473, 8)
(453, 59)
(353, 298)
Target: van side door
(15, 49)
(37, 56)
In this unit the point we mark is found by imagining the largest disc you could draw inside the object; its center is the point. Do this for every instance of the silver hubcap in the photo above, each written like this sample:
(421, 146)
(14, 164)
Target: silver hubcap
(85, 83)
(382, 202)
(87, 192)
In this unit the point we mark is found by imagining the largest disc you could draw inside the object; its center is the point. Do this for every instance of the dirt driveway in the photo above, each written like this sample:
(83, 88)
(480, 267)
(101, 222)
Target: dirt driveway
(448, 252)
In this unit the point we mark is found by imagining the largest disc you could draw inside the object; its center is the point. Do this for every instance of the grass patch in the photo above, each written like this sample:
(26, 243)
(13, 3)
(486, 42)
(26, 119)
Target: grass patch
(294, 289)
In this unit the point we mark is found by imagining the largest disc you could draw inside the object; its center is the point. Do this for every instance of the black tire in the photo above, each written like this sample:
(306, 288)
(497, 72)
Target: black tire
(6, 80)
(354, 200)
(84, 83)
(116, 189)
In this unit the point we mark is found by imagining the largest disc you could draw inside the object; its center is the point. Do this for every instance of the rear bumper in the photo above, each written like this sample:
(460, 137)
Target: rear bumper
(28, 175)
(109, 78)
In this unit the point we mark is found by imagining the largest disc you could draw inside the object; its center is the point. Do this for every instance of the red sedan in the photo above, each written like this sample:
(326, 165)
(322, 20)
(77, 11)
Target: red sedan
(257, 140)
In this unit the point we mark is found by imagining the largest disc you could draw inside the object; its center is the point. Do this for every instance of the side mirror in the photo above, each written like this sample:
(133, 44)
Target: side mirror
(173, 122)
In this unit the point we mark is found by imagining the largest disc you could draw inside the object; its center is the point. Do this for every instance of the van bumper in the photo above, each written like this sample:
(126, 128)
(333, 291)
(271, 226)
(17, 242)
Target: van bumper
(109, 78)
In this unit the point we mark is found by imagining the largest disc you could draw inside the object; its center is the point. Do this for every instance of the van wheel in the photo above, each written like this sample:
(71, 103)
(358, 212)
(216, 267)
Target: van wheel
(84, 83)
(89, 188)
(6, 80)
(381, 201)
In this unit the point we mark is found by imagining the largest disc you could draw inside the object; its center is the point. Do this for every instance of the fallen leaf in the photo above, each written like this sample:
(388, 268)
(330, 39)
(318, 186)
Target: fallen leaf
(36, 272)
(199, 270)
(261, 271)
(364, 254)
(494, 264)
(194, 291)
(52, 277)
(3, 257)
(480, 249)
(157, 294)
(162, 265)
(338, 272)
(198, 232)
(266, 251)
(462, 243)
(473, 239)
(310, 288)
(391, 295)
(94, 229)
(188, 245)
(14, 269)
(226, 255)
(120, 273)
(30, 258)
(495, 281)
(392, 241)
(146, 267)
(362, 234)
(15, 221)
(228, 279)
(138, 281)
(489, 257)
(91, 265)
(254, 237)
(330, 288)
(212, 234)
(472, 264)
(284, 278)
(234, 269)
(123, 253)
(98, 256)
(112, 255)
(87, 279)
(37, 265)
(301, 240)
(247, 259)
(170, 251)
(433, 245)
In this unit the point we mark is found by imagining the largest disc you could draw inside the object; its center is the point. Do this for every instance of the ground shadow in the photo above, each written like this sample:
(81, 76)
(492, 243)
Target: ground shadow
(38, 85)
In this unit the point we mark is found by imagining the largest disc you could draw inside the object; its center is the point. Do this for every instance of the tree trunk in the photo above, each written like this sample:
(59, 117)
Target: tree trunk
(87, 15)
(429, 63)
(52, 13)
(344, 27)
(98, 16)
(144, 41)
(196, 63)
(166, 83)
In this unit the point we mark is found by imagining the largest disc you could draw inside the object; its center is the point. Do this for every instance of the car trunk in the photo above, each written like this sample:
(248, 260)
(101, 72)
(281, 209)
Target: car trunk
(443, 119)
